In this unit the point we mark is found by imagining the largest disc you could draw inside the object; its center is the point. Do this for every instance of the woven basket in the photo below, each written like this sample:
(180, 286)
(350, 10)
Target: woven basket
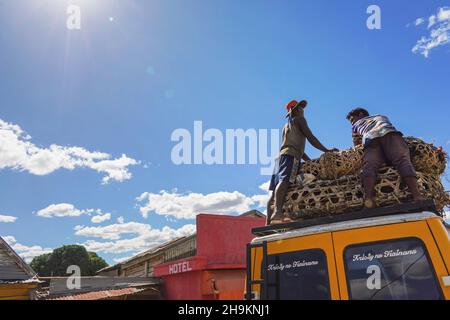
(425, 157)
(326, 197)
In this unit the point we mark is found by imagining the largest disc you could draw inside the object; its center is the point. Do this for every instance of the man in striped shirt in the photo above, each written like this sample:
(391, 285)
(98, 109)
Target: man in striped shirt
(383, 144)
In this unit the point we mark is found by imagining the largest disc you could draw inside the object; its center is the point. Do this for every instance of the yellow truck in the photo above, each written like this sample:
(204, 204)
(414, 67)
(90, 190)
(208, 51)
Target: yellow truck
(400, 252)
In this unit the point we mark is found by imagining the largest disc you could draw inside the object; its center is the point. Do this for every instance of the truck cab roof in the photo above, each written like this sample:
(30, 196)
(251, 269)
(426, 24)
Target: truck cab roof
(403, 212)
(347, 225)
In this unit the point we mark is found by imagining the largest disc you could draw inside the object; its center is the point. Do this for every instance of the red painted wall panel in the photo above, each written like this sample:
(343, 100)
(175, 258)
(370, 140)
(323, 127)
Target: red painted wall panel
(183, 286)
(223, 239)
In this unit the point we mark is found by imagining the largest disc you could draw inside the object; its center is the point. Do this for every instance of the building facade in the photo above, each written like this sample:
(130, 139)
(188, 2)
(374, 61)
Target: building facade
(17, 280)
(209, 264)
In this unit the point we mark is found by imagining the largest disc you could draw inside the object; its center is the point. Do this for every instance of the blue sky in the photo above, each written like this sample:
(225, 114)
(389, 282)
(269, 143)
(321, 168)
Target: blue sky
(138, 70)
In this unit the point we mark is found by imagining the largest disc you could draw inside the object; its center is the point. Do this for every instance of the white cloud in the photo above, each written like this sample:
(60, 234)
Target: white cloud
(113, 231)
(187, 206)
(7, 219)
(17, 152)
(119, 260)
(9, 239)
(431, 21)
(439, 27)
(260, 201)
(419, 21)
(61, 210)
(120, 220)
(265, 186)
(26, 252)
(101, 218)
(144, 238)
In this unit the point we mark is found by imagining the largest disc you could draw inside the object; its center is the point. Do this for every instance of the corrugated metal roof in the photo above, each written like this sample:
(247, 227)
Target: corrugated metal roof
(100, 295)
(253, 213)
(153, 250)
(58, 285)
(27, 281)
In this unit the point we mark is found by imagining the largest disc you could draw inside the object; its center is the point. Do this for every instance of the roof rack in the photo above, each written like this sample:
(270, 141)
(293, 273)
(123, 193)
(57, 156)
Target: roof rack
(402, 208)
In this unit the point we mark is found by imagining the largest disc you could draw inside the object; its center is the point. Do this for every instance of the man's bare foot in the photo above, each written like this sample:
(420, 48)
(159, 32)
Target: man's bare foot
(419, 198)
(276, 219)
(369, 203)
(287, 220)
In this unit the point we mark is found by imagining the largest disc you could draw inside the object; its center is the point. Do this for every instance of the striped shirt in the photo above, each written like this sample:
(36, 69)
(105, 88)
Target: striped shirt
(373, 127)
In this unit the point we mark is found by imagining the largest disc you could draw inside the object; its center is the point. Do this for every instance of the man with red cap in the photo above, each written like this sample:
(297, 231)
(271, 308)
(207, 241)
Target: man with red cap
(295, 134)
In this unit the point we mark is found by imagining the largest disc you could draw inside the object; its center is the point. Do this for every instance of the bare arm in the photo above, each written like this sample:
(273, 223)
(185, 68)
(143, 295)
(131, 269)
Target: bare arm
(357, 139)
(301, 121)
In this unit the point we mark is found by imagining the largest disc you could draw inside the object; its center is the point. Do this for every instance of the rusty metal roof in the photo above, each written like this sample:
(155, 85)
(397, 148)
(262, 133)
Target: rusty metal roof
(100, 295)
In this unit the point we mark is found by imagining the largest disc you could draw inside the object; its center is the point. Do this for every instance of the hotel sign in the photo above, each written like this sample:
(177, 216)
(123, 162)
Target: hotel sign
(180, 266)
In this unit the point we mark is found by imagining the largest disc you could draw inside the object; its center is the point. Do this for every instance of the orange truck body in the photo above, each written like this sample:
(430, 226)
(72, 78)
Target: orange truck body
(400, 256)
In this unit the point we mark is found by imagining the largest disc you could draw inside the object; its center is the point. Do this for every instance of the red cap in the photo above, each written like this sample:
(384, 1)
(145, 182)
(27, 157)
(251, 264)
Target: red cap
(291, 105)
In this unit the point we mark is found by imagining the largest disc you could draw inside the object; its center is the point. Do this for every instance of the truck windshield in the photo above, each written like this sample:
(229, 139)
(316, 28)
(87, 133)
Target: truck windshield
(298, 275)
(391, 270)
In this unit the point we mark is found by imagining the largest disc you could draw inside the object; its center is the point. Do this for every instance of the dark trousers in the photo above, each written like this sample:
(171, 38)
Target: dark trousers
(390, 149)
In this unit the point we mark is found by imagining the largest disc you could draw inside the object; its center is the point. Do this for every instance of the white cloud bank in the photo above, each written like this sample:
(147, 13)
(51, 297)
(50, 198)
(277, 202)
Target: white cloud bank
(101, 218)
(133, 237)
(439, 28)
(17, 152)
(7, 219)
(187, 206)
(26, 252)
(61, 210)
(145, 237)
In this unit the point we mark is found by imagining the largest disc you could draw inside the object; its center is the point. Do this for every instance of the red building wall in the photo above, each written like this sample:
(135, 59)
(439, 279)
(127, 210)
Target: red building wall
(183, 286)
(223, 239)
(218, 269)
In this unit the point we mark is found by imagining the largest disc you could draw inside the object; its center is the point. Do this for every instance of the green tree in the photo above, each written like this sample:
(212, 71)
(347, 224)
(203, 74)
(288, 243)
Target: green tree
(40, 264)
(96, 262)
(56, 263)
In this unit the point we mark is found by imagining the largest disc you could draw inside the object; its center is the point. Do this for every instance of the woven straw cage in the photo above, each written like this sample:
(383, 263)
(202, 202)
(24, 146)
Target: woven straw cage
(425, 157)
(338, 188)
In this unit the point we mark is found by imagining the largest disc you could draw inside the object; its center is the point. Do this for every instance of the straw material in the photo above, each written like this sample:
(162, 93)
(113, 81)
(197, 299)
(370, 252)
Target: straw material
(425, 157)
(327, 197)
